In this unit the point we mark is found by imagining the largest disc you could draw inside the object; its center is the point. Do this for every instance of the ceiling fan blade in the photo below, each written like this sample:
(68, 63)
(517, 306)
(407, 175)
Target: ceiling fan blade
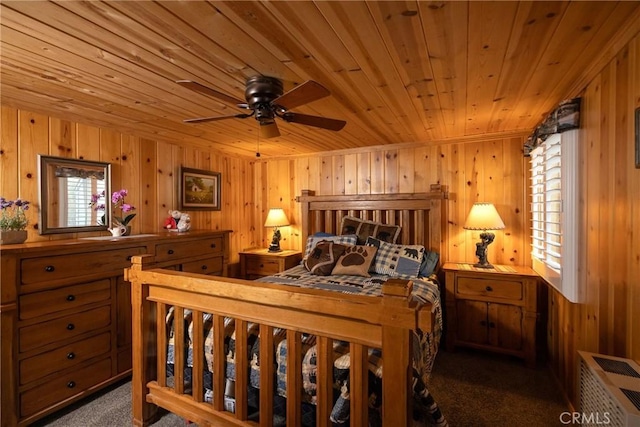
(320, 122)
(269, 130)
(213, 119)
(302, 94)
(195, 86)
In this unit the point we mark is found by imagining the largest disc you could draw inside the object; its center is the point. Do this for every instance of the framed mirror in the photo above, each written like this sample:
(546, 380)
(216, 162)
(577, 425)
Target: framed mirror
(65, 195)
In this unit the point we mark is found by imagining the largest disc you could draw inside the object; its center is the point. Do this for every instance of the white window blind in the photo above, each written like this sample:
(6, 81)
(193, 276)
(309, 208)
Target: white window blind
(554, 191)
(78, 212)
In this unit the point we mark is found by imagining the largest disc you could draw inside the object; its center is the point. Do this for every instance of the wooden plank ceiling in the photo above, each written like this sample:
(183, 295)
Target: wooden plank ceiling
(398, 71)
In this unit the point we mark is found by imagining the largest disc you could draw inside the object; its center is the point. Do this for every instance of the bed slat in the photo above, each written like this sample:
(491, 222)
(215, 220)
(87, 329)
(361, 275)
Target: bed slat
(294, 381)
(241, 369)
(359, 385)
(178, 356)
(161, 348)
(218, 362)
(266, 375)
(198, 354)
(324, 383)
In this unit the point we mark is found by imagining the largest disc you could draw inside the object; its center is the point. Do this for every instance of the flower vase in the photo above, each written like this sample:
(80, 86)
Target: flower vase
(11, 237)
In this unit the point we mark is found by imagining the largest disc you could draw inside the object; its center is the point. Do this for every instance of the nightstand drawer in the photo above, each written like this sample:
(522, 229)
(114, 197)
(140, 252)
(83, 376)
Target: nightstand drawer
(491, 288)
(263, 266)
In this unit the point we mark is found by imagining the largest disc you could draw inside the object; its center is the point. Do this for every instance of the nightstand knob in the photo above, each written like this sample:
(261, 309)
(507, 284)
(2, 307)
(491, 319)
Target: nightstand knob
(170, 251)
(49, 268)
(71, 327)
(71, 355)
(488, 289)
(204, 267)
(213, 246)
(261, 265)
(71, 298)
(71, 384)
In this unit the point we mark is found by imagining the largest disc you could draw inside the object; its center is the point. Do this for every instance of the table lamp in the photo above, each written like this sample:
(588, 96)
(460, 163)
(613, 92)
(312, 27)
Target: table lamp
(276, 218)
(484, 217)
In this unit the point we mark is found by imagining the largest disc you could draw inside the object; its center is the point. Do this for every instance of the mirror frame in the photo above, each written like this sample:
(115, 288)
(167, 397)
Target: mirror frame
(43, 198)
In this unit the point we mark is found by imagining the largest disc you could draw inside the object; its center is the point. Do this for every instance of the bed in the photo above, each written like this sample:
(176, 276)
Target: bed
(278, 343)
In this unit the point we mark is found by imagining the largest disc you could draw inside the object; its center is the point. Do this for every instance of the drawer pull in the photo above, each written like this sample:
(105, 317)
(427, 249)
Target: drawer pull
(71, 355)
(204, 267)
(213, 246)
(71, 298)
(71, 327)
(261, 265)
(488, 289)
(71, 384)
(49, 268)
(170, 251)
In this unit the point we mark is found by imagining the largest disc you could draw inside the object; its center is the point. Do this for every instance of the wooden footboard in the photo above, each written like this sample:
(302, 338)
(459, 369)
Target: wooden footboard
(378, 322)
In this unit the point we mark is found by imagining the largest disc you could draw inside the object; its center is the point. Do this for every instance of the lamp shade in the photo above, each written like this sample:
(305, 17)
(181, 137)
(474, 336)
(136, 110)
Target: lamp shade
(483, 216)
(276, 218)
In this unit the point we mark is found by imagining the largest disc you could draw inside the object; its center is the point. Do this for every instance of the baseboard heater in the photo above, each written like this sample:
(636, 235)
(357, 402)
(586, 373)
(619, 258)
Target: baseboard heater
(609, 391)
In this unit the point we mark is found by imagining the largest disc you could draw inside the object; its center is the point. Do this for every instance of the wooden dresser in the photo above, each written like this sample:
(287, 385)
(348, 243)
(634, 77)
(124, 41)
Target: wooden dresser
(65, 313)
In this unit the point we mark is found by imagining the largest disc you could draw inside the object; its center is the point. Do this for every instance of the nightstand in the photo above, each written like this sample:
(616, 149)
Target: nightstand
(256, 263)
(493, 309)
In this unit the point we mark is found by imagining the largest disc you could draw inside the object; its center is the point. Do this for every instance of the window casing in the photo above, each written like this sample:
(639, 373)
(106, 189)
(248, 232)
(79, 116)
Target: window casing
(554, 214)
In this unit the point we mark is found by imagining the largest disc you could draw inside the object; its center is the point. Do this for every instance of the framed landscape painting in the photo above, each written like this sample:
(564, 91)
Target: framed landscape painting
(199, 190)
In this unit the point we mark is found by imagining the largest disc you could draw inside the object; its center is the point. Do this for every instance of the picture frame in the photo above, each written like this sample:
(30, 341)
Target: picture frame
(637, 127)
(199, 190)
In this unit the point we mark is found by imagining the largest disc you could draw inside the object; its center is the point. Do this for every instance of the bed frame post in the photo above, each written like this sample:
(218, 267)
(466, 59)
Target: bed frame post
(396, 358)
(304, 207)
(144, 342)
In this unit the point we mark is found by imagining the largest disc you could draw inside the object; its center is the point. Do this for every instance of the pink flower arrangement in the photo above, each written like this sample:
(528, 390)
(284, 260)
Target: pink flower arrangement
(118, 203)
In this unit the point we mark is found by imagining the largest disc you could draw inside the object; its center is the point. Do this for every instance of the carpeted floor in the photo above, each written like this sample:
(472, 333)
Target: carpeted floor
(473, 389)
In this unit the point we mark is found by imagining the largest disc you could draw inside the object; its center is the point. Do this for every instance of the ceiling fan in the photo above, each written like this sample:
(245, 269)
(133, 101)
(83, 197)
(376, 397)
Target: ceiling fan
(266, 100)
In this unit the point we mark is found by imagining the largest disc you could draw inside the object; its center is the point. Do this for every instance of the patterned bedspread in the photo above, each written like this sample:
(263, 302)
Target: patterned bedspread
(425, 345)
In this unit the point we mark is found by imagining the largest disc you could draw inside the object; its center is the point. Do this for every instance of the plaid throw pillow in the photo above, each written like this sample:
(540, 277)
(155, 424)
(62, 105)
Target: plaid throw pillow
(397, 260)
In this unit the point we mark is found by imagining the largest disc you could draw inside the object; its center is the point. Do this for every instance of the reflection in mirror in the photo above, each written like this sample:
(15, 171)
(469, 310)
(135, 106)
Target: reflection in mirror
(66, 187)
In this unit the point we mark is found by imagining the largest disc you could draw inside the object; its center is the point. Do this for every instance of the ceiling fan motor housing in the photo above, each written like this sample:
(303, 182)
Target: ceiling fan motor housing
(262, 90)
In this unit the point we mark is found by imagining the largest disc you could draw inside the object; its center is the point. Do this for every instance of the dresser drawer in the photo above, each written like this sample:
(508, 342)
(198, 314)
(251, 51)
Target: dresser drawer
(63, 387)
(46, 302)
(177, 250)
(263, 266)
(63, 328)
(490, 288)
(205, 266)
(49, 268)
(64, 357)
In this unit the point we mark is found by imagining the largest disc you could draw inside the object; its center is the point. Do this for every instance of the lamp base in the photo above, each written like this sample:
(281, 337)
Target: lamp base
(273, 248)
(478, 265)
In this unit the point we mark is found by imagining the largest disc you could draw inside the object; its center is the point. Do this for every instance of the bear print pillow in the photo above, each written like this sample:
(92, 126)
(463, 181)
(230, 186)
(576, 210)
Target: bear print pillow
(355, 261)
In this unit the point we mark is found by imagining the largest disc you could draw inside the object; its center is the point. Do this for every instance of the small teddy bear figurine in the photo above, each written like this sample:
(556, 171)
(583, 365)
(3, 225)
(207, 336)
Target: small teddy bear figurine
(184, 223)
(171, 223)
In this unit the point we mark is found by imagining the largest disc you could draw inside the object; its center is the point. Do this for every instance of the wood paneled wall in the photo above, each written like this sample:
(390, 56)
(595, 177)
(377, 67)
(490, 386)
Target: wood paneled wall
(609, 319)
(148, 169)
(483, 170)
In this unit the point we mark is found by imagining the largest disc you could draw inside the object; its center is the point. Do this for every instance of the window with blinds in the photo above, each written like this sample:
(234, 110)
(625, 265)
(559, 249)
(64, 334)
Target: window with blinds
(554, 219)
(78, 212)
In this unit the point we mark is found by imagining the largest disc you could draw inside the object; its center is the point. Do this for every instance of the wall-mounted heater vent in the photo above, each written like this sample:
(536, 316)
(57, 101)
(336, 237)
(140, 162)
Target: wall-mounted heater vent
(609, 391)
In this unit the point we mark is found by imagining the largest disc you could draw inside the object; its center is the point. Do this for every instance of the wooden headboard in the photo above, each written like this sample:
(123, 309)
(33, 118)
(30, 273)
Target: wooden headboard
(422, 216)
